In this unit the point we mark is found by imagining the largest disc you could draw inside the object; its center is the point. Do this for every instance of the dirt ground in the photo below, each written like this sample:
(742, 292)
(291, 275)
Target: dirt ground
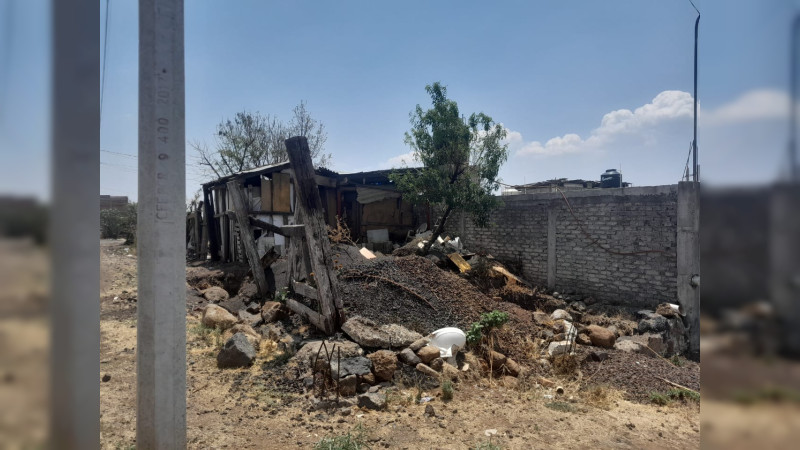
(244, 408)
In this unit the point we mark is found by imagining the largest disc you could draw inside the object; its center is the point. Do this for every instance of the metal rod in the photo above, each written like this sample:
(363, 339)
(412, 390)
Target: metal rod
(793, 163)
(694, 140)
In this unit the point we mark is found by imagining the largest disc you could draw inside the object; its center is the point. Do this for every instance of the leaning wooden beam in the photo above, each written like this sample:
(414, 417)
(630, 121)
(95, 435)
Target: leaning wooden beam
(309, 204)
(211, 224)
(314, 317)
(240, 211)
(305, 290)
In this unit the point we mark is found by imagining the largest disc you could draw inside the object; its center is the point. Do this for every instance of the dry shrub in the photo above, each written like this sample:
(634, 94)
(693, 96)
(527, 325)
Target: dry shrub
(341, 233)
(566, 365)
(601, 396)
(532, 349)
(475, 367)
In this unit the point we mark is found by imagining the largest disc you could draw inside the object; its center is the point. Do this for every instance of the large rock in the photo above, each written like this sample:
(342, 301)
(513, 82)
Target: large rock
(601, 337)
(428, 353)
(384, 363)
(558, 348)
(271, 311)
(237, 352)
(250, 319)
(309, 351)
(347, 385)
(248, 331)
(372, 400)
(512, 367)
(560, 314)
(651, 322)
(418, 344)
(496, 359)
(409, 357)
(215, 294)
(542, 318)
(358, 365)
(369, 334)
(629, 346)
(646, 344)
(217, 317)
(427, 370)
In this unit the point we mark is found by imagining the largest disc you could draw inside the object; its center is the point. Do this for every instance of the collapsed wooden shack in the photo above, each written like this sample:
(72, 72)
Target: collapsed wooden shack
(368, 203)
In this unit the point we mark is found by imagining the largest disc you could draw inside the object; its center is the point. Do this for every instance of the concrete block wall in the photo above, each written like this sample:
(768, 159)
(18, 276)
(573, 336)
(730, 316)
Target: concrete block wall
(558, 248)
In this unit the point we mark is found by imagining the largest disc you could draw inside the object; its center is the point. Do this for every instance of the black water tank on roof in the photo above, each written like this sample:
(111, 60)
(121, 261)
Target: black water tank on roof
(611, 179)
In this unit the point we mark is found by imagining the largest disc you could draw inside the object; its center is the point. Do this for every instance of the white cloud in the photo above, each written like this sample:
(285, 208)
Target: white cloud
(404, 160)
(755, 105)
(666, 106)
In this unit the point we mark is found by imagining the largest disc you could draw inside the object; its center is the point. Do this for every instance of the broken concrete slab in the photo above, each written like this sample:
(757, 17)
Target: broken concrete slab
(559, 348)
(369, 334)
(358, 365)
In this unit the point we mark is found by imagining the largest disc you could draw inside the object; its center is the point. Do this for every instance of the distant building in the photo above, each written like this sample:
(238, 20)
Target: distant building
(113, 202)
(554, 185)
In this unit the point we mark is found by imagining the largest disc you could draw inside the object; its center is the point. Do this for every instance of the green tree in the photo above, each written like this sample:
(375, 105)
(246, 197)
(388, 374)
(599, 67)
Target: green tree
(460, 161)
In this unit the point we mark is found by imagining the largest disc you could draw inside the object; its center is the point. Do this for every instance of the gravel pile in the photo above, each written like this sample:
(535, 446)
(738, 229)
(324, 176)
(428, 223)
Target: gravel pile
(410, 291)
(637, 374)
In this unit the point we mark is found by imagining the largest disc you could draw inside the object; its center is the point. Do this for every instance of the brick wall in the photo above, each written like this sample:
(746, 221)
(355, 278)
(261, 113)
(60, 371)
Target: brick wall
(538, 233)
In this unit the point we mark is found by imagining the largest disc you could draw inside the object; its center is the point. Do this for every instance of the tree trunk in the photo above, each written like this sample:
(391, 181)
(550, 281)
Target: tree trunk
(438, 231)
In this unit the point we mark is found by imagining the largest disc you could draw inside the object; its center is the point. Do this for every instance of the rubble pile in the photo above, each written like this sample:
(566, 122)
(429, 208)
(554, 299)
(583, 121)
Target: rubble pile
(394, 303)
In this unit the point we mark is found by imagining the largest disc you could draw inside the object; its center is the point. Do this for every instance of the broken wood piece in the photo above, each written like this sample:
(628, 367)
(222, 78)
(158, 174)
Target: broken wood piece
(366, 253)
(509, 276)
(462, 265)
(241, 213)
(314, 317)
(678, 385)
(305, 290)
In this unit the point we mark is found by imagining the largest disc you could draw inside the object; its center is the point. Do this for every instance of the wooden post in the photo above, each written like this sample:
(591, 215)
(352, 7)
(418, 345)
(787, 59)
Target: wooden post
(211, 224)
(241, 210)
(161, 308)
(309, 204)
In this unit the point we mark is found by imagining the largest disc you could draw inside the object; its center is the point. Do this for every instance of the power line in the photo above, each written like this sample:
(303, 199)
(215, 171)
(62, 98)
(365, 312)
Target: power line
(105, 58)
(118, 153)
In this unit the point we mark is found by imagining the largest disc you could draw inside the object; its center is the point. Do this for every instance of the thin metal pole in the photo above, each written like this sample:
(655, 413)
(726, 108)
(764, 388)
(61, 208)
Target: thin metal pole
(161, 326)
(793, 163)
(694, 140)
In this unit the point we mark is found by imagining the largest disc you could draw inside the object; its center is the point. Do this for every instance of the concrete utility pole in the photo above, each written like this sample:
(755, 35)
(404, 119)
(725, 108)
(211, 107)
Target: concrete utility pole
(74, 225)
(161, 327)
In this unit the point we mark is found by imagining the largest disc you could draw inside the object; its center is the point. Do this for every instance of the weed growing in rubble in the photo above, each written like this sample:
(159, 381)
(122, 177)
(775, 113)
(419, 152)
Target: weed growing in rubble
(210, 336)
(447, 390)
(488, 322)
(355, 439)
(560, 406)
(487, 445)
(681, 395)
(678, 360)
(281, 295)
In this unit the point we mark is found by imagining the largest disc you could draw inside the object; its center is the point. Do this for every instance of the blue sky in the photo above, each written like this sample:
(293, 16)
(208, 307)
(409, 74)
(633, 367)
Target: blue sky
(582, 86)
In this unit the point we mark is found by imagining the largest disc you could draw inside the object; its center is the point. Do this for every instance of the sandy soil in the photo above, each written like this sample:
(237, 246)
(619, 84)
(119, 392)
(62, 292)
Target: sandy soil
(244, 409)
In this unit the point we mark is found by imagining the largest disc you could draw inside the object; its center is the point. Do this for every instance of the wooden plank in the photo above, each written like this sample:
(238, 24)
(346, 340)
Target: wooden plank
(285, 230)
(266, 194)
(314, 317)
(305, 290)
(318, 246)
(509, 276)
(239, 204)
(211, 225)
(281, 192)
(462, 265)
(325, 181)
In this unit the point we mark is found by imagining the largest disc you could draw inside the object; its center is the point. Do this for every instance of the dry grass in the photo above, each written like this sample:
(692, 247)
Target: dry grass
(601, 396)
(624, 323)
(566, 365)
